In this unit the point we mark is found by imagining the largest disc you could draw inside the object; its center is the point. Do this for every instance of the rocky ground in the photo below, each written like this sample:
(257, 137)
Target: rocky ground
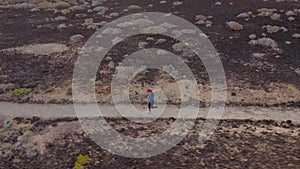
(36, 143)
(258, 43)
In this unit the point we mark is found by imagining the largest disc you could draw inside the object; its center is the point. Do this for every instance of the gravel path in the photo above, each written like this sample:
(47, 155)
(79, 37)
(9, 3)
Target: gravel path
(11, 110)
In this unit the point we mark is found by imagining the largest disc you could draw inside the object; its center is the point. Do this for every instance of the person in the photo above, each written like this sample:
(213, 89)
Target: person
(150, 99)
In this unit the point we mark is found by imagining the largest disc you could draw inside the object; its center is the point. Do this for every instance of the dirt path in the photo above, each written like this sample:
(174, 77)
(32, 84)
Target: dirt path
(11, 110)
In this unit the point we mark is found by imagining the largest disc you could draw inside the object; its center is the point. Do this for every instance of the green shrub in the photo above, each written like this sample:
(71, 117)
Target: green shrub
(20, 92)
(82, 161)
(6, 125)
(24, 137)
(69, 91)
(164, 76)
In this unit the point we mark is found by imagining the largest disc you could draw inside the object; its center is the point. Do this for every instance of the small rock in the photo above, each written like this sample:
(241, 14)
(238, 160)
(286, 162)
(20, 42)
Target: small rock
(114, 14)
(62, 5)
(142, 45)
(218, 3)
(271, 29)
(177, 3)
(62, 26)
(77, 8)
(160, 41)
(111, 65)
(76, 38)
(163, 2)
(258, 55)
(25, 5)
(275, 16)
(266, 11)
(252, 36)
(267, 42)
(102, 23)
(200, 23)
(208, 23)
(288, 42)
(290, 13)
(296, 35)
(66, 11)
(291, 18)
(235, 26)
(101, 10)
(134, 7)
(150, 39)
(35, 10)
(200, 18)
(60, 18)
(243, 15)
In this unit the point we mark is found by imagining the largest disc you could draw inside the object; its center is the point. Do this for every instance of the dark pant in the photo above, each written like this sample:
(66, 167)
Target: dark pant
(150, 104)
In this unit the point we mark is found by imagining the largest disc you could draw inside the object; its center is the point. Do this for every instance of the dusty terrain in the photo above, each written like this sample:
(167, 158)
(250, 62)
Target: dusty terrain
(263, 70)
(235, 144)
(257, 40)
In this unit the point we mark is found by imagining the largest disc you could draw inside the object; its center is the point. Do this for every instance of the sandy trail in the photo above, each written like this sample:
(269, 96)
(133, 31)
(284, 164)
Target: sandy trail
(48, 111)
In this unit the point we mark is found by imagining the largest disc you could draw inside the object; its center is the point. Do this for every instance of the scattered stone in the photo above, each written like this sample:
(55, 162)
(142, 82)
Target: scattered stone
(62, 5)
(25, 5)
(275, 16)
(134, 7)
(200, 18)
(252, 36)
(102, 23)
(296, 35)
(77, 8)
(288, 42)
(177, 3)
(150, 39)
(267, 42)
(266, 11)
(163, 2)
(200, 23)
(180, 47)
(243, 15)
(35, 10)
(97, 2)
(277, 56)
(101, 10)
(76, 38)
(284, 29)
(60, 18)
(218, 3)
(66, 11)
(160, 41)
(62, 26)
(290, 13)
(45, 5)
(150, 5)
(297, 71)
(258, 55)
(271, 29)
(291, 18)
(142, 45)
(114, 14)
(230, 3)
(111, 65)
(208, 23)
(235, 26)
